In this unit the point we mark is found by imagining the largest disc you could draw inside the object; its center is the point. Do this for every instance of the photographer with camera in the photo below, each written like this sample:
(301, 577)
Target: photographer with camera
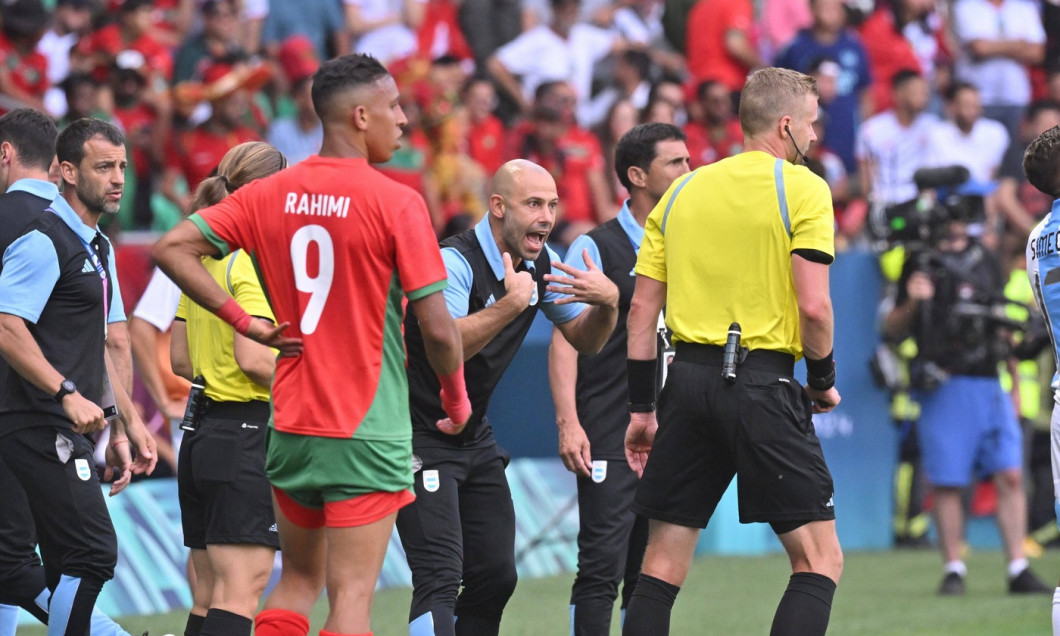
(950, 299)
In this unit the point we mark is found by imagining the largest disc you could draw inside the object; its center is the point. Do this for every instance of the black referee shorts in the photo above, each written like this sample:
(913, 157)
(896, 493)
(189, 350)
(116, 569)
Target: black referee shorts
(225, 497)
(759, 428)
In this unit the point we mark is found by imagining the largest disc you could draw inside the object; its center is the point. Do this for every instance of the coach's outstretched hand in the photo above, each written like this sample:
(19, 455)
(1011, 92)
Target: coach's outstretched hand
(271, 335)
(639, 437)
(591, 287)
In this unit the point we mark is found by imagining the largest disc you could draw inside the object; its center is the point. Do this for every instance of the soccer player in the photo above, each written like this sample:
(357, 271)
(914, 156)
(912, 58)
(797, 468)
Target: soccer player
(592, 417)
(54, 374)
(337, 246)
(748, 240)
(1041, 164)
(461, 529)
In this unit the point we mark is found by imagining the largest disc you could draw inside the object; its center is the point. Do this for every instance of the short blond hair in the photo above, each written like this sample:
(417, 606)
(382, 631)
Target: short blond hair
(769, 94)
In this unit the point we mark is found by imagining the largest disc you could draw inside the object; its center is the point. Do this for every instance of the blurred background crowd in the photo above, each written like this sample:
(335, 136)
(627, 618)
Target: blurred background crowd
(904, 83)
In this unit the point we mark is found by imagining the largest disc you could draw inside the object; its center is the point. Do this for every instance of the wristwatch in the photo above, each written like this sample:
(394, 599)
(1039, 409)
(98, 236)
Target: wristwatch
(66, 388)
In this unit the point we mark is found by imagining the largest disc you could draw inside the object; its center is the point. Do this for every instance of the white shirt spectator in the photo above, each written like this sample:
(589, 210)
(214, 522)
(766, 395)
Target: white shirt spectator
(540, 55)
(57, 49)
(896, 153)
(158, 304)
(637, 30)
(386, 43)
(1001, 81)
(980, 151)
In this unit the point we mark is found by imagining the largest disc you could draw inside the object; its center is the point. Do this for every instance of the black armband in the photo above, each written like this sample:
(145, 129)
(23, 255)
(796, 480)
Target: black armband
(820, 374)
(642, 376)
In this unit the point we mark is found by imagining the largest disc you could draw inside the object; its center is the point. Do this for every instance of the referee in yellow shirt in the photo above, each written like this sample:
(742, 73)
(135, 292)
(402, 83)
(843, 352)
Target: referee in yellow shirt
(225, 499)
(745, 240)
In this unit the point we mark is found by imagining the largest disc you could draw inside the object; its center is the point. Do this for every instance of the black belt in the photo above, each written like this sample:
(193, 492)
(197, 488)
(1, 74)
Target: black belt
(759, 359)
(256, 410)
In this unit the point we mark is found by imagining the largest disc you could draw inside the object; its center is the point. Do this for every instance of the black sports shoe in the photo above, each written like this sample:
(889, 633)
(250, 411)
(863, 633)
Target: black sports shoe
(1026, 582)
(952, 585)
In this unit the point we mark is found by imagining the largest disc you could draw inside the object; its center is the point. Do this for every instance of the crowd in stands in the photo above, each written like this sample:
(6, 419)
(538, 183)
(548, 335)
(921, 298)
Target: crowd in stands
(904, 84)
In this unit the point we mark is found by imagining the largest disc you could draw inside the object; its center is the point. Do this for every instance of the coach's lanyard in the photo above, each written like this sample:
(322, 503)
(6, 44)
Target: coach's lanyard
(98, 264)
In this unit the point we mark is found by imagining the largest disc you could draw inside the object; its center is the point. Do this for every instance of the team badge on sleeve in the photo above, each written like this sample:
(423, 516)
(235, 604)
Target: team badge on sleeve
(430, 480)
(599, 470)
(533, 297)
(84, 472)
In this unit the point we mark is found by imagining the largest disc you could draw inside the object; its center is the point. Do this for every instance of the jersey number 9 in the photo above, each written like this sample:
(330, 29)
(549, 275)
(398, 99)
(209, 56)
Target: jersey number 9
(319, 286)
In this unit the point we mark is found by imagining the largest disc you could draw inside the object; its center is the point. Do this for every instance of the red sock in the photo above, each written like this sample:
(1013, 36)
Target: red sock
(326, 633)
(280, 622)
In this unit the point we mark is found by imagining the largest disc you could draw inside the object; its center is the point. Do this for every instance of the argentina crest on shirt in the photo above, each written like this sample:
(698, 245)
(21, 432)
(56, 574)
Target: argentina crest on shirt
(84, 472)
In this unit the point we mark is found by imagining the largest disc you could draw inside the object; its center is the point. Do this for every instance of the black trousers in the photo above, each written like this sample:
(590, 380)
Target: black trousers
(21, 572)
(460, 531)
(58, 479)
(611, 542)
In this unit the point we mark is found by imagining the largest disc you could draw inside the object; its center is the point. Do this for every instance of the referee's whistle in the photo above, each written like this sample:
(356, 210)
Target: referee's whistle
(732, 350)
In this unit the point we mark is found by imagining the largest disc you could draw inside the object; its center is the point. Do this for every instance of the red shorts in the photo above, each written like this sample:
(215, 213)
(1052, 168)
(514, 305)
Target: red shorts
(348, 513)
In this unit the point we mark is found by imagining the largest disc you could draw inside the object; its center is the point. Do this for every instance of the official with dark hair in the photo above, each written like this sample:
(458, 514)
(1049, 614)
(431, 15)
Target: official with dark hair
(590, 394)
(746, 240)
(58, 292)
(27, 151)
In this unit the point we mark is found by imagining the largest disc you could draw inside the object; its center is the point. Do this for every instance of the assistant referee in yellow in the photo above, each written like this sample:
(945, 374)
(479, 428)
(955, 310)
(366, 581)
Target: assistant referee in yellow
(747, 240)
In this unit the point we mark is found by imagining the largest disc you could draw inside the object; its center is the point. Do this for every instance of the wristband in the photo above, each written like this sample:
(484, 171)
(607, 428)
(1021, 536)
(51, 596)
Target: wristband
(455, 402)
(235, 315)
(642, 407)
(820, 374)
(642, 376)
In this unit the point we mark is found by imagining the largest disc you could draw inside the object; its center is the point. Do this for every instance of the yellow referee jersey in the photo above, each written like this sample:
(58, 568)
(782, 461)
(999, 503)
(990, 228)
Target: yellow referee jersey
(721, 239)
(211, 340)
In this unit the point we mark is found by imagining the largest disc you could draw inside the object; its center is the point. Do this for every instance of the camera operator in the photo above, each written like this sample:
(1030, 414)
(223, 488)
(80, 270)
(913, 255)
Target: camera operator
(950, 299)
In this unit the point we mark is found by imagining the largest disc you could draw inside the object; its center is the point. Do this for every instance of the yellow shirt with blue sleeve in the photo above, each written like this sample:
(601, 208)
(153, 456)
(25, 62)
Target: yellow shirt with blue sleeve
(721, 238)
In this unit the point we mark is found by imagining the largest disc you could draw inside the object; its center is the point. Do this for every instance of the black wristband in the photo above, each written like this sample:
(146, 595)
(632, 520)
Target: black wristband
(641, 377)
(820, 374)
(642, 407)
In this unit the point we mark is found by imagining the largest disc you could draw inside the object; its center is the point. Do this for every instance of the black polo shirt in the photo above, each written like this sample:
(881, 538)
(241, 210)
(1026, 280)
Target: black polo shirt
(50, 279)
(476, 281)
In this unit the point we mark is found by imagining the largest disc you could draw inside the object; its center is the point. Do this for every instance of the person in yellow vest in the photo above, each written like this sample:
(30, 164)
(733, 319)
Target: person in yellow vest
(911, 522)
(1026, 376)
(225, 498)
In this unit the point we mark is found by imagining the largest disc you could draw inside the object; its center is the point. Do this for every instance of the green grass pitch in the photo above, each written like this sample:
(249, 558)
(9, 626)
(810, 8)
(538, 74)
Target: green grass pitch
(881, 593)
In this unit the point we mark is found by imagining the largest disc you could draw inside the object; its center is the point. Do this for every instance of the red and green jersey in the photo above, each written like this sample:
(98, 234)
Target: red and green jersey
(337, 246)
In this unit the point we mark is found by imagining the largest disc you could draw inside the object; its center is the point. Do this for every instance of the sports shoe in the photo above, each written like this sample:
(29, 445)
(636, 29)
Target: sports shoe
(952, 585)
(1026, 582)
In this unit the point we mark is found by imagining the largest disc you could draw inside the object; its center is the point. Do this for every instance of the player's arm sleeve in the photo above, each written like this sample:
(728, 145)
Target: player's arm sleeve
(559, 314)
(812, 219)
(651, 259)
(458, 291)
(31, 269)
(116, 308)
(419, 262)
(247, 286)
(228, 225)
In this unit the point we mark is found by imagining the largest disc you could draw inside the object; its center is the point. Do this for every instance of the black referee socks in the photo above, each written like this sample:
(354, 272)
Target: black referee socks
(649, 608)
(224, 623)
(805, 607)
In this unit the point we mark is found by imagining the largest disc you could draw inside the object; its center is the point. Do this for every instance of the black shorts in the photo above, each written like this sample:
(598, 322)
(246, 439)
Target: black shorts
(759, 428)
(224, 495)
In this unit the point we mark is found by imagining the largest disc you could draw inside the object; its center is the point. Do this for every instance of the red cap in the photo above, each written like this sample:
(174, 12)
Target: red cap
(298, 58)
